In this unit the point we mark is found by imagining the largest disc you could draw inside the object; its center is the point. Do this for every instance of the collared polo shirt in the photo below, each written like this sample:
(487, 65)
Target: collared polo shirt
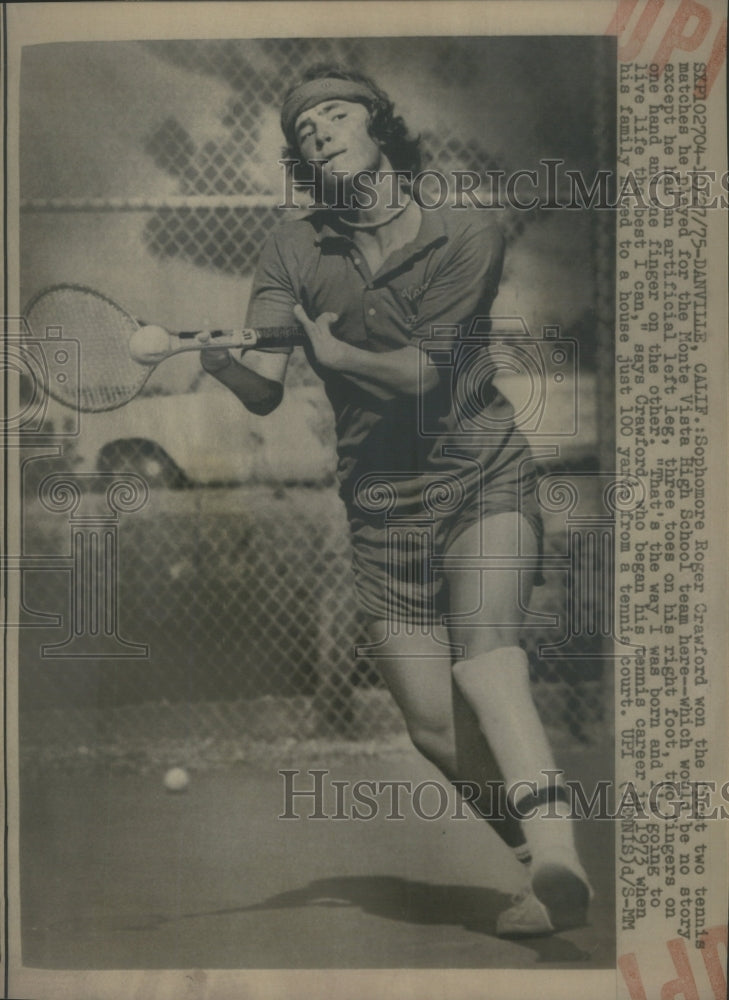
(446, 277)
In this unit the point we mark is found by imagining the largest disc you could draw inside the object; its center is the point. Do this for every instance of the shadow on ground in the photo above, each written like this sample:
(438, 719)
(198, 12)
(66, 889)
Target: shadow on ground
(392, 898)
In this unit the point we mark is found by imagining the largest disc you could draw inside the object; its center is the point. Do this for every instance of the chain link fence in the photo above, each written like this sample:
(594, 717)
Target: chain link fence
(236, 626)
(238, 599)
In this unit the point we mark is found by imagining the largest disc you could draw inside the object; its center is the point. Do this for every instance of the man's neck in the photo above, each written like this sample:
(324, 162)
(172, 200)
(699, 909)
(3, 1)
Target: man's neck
(377, 244)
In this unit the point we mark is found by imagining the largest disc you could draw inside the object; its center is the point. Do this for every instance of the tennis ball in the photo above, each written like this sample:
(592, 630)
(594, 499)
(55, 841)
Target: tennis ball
(149, 344)
(176, 779)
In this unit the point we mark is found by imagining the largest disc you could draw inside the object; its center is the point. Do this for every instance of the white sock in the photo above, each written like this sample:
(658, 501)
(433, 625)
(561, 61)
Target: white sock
(549, 831)
(496, 686)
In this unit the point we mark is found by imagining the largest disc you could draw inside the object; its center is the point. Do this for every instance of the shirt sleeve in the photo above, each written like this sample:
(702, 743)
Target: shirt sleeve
(466, 282)
(272, 298)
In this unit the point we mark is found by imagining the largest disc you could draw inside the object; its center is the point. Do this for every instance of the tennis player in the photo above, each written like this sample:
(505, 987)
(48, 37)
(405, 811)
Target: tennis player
(368, 275)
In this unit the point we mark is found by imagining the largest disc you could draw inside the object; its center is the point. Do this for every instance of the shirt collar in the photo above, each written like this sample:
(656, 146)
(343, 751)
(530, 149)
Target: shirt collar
(432, 232)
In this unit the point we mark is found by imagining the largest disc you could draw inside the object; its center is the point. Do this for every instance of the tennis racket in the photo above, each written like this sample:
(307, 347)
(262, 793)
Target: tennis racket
(116, 353)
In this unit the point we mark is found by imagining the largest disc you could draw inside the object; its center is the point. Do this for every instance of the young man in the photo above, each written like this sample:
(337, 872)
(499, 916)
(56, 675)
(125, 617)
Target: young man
(368, 276)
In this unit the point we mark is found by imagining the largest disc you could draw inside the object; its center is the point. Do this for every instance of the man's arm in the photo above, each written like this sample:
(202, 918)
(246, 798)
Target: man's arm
(256, 380)
(256, 376)
(399, 372)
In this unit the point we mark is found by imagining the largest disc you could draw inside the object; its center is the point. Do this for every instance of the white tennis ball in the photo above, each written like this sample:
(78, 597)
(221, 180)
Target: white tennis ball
(176, 779)
(149, 344)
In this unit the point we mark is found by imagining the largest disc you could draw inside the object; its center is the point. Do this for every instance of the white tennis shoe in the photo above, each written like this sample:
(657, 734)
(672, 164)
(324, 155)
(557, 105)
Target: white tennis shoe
(556, 900)
(526, 917)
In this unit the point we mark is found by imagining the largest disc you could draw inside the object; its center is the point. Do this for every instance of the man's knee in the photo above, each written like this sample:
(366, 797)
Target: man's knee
(434, 739)
(506, 659)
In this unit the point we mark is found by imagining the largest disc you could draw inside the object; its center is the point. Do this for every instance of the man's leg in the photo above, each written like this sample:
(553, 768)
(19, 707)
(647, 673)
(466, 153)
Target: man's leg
(494, 679)
(445, 730)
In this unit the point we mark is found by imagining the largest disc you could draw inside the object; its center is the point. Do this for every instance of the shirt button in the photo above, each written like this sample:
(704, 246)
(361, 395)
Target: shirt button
(357, 261)
(371, 312)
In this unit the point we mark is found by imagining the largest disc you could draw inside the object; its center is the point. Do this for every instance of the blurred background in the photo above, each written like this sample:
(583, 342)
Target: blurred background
(149, 173)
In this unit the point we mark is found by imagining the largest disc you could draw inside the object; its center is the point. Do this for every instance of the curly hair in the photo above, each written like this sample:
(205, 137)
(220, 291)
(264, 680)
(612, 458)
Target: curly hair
(384, 126)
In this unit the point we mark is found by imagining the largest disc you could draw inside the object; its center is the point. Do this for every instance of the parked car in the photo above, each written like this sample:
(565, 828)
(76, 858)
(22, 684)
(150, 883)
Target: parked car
(208, 438)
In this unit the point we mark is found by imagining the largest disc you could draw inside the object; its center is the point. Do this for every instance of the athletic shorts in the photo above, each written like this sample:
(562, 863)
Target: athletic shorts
(420, 516)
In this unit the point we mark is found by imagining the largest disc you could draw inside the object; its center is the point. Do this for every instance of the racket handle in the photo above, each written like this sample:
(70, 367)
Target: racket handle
(267, 336)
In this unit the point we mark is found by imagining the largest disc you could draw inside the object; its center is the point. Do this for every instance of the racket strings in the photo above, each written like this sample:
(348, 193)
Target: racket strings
(107, 374)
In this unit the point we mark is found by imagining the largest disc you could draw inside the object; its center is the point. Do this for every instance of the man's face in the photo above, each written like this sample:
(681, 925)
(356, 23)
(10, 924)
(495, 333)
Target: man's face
(336, 131)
